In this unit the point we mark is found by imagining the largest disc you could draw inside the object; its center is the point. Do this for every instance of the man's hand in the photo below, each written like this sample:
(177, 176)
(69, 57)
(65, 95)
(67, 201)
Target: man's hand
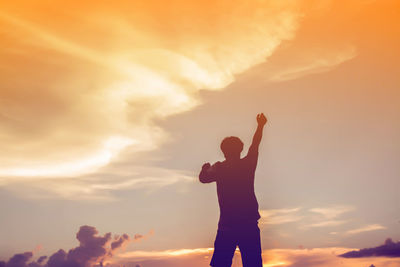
(261, 119)
(206, 166)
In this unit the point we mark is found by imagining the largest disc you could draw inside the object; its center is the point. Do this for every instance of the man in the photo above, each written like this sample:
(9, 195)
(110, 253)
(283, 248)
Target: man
(238, 222)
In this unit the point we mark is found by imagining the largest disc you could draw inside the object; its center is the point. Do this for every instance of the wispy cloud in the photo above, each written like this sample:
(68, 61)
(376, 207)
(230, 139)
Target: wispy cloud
(332, 212)
(327, 223)
(316, 61)
(280, 216)
(327, 216)
(99, 187)
(367, 228)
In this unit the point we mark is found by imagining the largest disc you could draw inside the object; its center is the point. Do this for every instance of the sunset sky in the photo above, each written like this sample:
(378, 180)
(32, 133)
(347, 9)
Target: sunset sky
(109, 109)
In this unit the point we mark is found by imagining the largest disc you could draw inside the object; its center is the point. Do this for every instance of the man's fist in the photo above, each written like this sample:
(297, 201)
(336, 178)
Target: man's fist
(261, 119)
(206, 166)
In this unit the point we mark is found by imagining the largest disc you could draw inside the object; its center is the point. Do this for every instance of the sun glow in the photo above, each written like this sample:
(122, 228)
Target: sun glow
(111, 147)
(273, 264)
(165, 253)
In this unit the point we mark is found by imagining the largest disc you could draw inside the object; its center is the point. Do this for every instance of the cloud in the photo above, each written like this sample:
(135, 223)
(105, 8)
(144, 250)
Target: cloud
(41, 259)
(92, 91)
(312, 61)
(367, 228)
(279, 216)
(19, 260)
(327, 223)
(100, 186)
(332, 212)
(327, 216)
(120, 241)
(93, 250)
(389, 249)
(321, 44)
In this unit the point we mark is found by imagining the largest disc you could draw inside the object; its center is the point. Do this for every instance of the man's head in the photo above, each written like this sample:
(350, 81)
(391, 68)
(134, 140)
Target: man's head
(231, 146)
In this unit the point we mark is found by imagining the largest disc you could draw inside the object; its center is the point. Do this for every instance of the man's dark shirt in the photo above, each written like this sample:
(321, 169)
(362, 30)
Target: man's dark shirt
(235, 187)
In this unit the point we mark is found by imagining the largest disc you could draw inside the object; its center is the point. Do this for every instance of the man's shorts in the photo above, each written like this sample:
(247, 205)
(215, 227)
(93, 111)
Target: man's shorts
(246, 237)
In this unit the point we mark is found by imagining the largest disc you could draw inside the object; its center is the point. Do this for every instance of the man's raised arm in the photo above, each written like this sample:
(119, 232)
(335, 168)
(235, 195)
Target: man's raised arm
(261, 121)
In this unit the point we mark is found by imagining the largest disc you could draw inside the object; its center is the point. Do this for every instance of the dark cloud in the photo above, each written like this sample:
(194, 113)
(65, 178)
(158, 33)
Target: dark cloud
(34, 264)
(120, 241)
(92, 251)
(42, 259)
(389, 249)
(19, 260)
(92, 248)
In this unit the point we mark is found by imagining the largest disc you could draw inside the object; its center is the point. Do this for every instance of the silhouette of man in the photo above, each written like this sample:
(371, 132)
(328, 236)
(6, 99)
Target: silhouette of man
(238, 221)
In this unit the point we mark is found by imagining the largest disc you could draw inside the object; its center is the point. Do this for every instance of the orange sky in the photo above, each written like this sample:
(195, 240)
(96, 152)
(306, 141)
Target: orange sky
(111, 109)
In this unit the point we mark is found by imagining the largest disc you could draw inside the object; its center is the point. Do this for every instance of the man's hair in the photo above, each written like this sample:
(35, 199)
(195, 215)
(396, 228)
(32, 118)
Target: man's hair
(231, 145)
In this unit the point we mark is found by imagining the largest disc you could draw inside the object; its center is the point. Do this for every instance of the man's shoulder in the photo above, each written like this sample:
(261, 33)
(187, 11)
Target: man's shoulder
(219, 164)
(250, 161)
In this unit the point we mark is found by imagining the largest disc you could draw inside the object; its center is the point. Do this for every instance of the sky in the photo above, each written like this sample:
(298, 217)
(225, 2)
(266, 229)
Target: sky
(108, 111)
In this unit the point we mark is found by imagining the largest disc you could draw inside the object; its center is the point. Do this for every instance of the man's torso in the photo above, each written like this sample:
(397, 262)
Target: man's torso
(235, 188)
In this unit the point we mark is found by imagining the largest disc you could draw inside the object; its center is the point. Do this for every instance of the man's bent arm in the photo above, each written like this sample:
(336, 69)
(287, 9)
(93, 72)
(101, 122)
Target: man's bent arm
(207, 173)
